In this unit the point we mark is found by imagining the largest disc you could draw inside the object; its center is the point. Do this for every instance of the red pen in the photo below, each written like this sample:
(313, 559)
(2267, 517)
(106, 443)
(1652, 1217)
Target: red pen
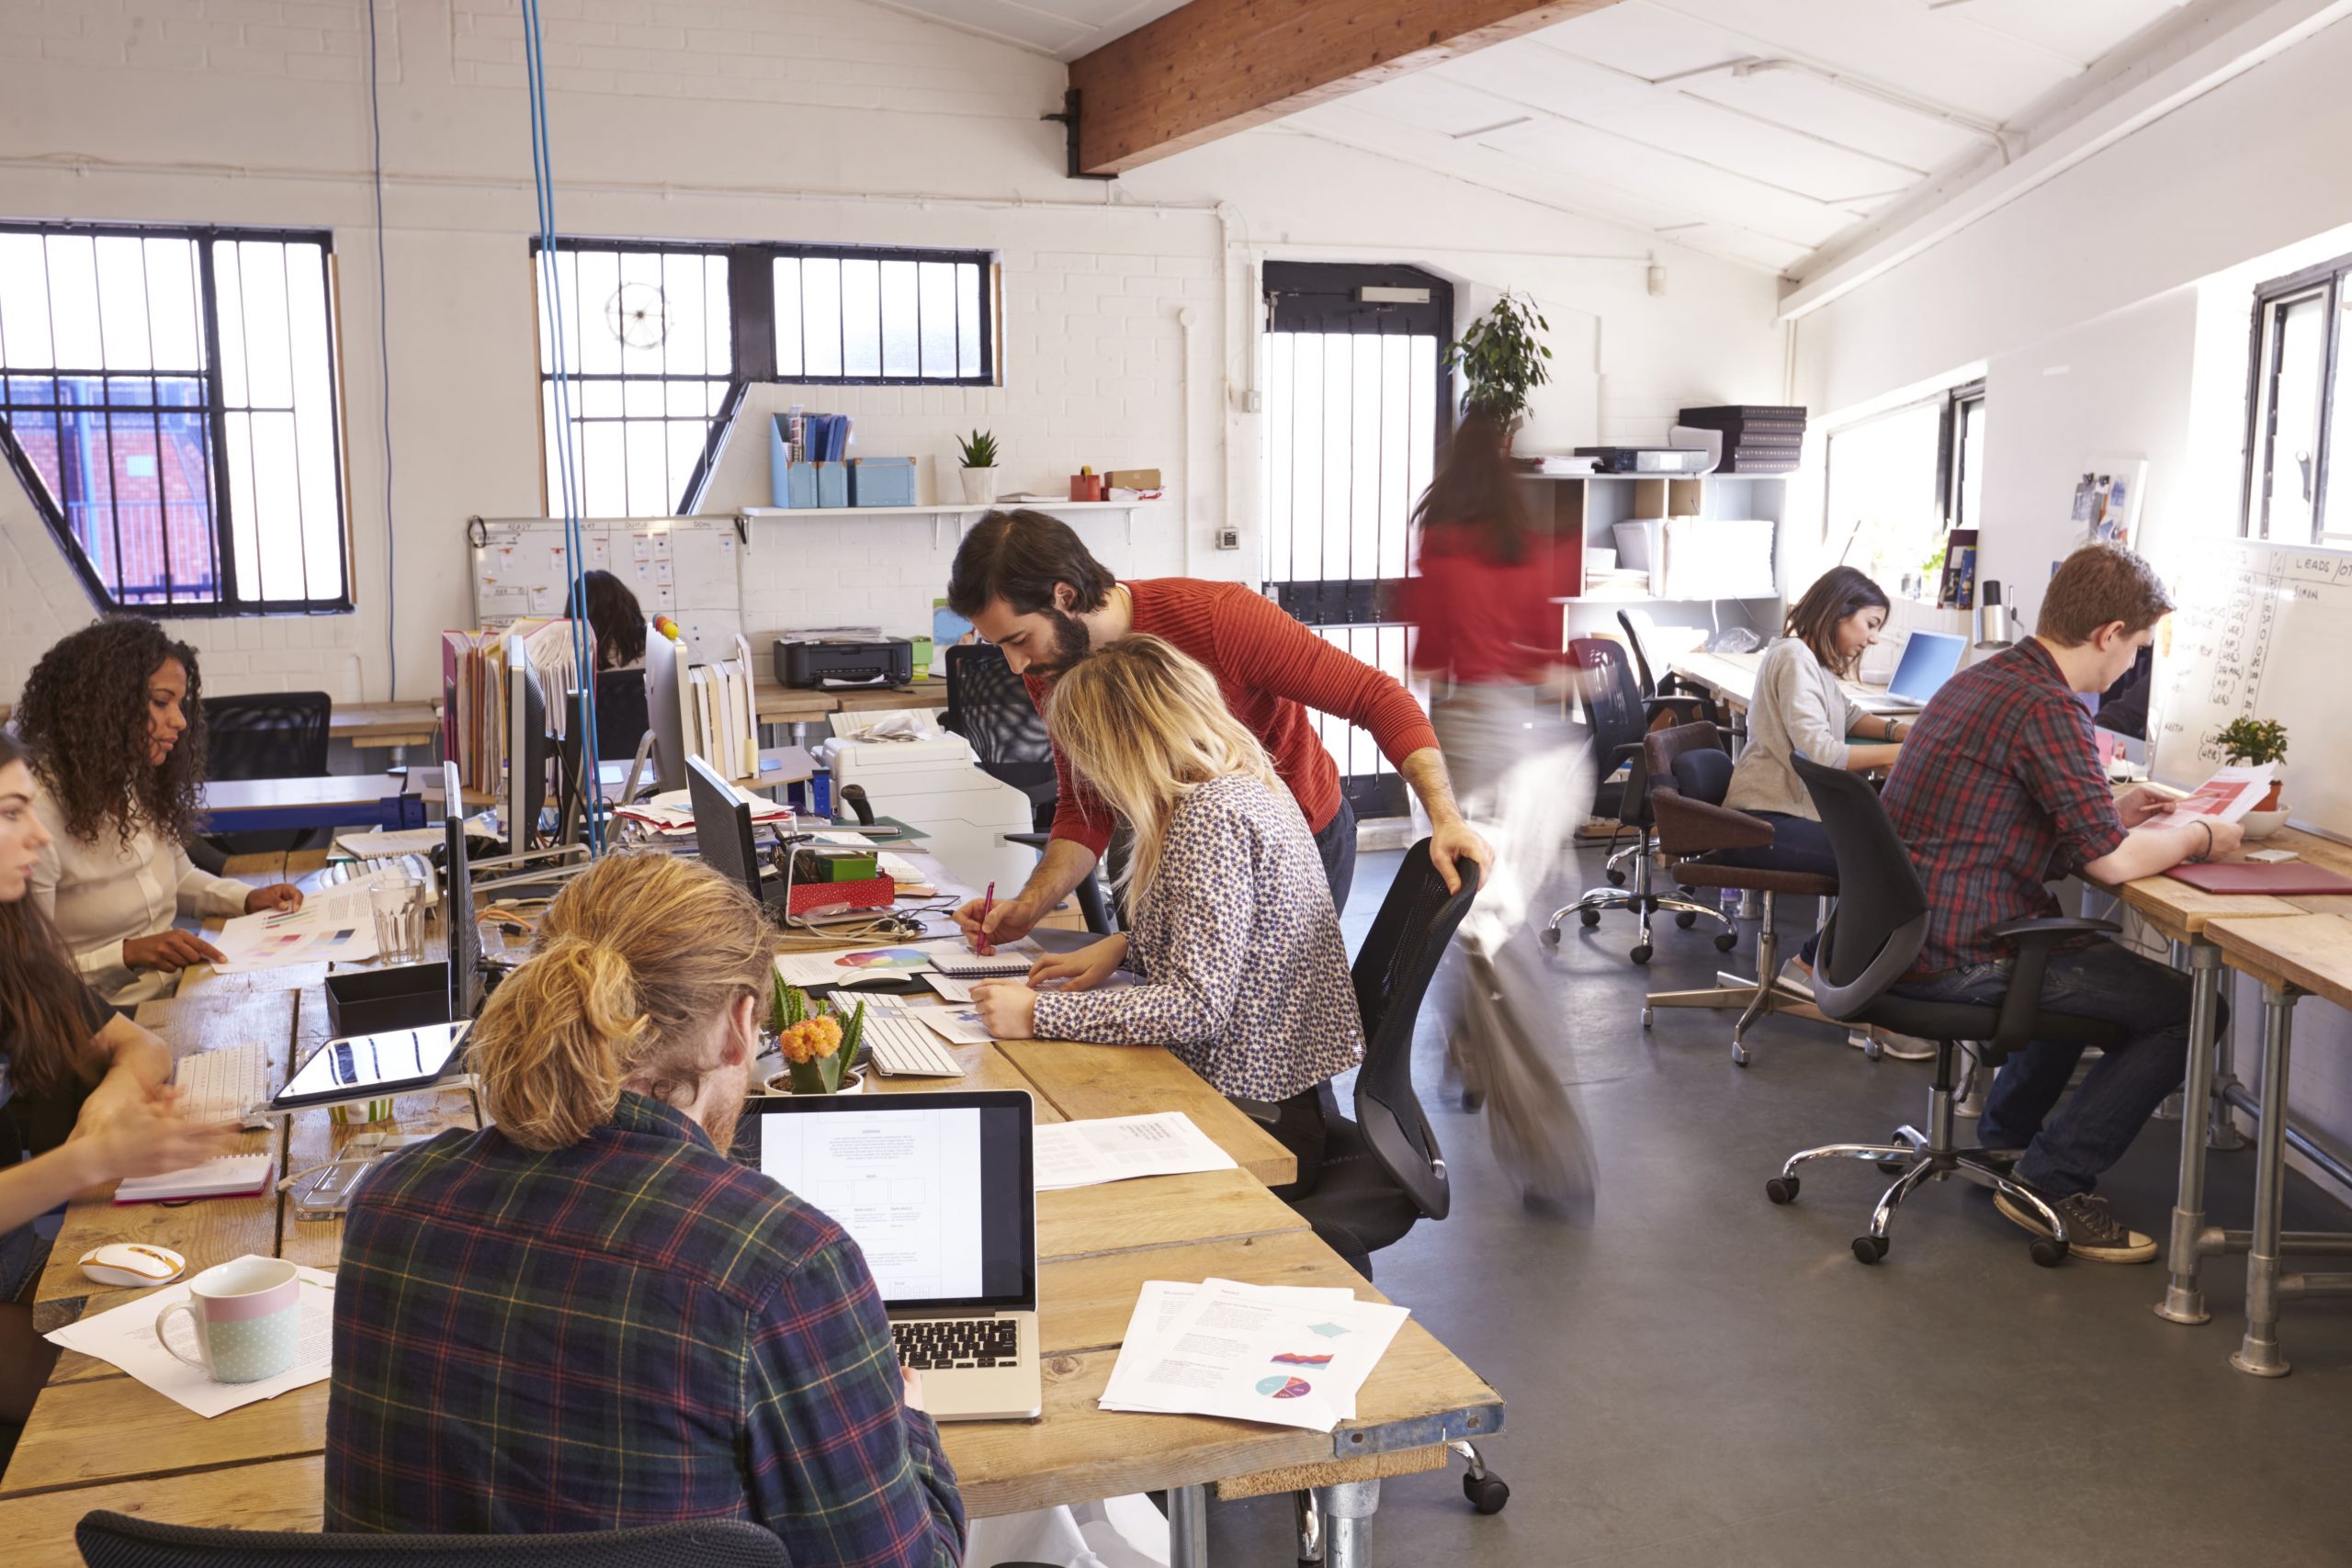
(988, 902)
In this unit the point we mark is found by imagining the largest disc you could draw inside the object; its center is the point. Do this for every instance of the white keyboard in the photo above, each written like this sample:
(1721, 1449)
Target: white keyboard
(901, 1047)
(342, 870)
(223, 1084)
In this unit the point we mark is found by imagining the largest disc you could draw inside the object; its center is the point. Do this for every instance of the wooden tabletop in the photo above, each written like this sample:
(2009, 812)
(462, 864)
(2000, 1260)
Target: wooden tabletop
(98, 1438)
(2311, 953)
(772, 703)
(385, 724)
(2182, 913)
(1732, 676)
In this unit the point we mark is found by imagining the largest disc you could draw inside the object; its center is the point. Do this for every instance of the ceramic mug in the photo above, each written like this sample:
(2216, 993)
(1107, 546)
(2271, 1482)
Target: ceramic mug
(248, 1319)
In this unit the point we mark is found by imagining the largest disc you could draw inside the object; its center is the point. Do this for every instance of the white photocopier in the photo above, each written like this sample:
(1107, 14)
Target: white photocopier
(933, 781)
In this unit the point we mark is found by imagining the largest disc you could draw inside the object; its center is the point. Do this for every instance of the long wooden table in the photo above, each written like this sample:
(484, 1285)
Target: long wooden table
(99, 1440)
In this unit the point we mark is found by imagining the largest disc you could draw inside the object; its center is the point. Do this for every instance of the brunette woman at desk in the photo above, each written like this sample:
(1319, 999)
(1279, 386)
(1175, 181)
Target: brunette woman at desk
(82, 1095)
(1244, 975)
(113, 718)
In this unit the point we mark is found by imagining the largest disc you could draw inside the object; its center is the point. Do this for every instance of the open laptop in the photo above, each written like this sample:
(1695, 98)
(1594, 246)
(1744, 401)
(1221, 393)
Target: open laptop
(1929, 659)
(939, 1192)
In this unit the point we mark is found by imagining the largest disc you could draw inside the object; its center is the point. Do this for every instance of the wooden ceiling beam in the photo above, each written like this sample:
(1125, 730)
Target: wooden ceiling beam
(1214, 67)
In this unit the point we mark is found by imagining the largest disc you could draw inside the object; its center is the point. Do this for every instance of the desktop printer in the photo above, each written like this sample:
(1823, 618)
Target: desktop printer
(859, 661)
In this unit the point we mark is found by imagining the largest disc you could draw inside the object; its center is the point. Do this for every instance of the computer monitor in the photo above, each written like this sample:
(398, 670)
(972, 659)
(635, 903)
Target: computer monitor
(1928, 660)
(457, 896)
(723, 826)
(526, 748)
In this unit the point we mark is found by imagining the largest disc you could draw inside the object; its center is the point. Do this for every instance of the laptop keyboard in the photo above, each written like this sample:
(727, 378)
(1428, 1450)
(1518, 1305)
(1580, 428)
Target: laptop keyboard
(958, 1342)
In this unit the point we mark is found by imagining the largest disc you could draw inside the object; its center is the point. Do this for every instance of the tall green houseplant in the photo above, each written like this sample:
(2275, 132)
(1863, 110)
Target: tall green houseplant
(1500, 360)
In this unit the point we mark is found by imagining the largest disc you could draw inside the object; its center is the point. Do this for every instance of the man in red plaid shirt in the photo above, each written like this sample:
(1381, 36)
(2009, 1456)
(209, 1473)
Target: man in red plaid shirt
(1998, 792)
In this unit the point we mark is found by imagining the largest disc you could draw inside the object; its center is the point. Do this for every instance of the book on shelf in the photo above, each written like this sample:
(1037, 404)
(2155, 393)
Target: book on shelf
(474, 679)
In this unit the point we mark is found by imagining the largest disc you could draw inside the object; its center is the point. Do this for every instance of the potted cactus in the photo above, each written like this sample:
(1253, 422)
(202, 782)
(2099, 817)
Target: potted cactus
(822, 1045)
(978, 451)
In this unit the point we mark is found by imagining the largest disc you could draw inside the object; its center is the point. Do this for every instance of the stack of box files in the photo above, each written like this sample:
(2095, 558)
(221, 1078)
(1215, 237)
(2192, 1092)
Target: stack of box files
(1758, 438)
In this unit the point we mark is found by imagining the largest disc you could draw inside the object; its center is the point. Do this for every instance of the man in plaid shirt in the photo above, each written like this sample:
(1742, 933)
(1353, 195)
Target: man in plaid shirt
(1997, 792)
(585, 1316)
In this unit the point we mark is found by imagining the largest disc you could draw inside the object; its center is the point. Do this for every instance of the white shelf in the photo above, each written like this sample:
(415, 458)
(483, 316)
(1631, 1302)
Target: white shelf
(1614, 599)
(959, 510)
(1580, 478)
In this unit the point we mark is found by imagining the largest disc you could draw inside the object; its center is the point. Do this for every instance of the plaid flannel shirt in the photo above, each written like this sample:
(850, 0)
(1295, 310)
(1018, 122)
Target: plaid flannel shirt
(630, 1331)
(1998, 792)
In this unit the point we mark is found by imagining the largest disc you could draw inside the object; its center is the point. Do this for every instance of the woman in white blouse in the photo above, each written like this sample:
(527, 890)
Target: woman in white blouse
(112, 717)
(1242, 973)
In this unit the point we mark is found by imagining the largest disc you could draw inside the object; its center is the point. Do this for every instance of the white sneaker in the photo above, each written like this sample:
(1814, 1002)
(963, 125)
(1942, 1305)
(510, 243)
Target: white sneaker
(1902, 1048)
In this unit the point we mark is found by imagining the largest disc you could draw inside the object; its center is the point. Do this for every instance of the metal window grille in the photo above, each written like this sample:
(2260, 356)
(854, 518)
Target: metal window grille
(167, 398)
(1355, 407)
(662, 342)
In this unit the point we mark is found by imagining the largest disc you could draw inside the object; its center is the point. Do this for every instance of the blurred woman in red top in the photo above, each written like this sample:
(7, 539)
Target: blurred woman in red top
(1487, 639)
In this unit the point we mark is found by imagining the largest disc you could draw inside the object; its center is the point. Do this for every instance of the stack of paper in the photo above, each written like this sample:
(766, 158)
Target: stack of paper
(474, 681)
(1287, 1355)
(1118, 1148)
(334, 925)
(126, 1337)
(908, 959)
(671, 813)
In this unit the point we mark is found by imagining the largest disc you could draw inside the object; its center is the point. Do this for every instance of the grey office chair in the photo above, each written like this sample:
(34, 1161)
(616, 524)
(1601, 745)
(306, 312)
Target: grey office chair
(1871, 942)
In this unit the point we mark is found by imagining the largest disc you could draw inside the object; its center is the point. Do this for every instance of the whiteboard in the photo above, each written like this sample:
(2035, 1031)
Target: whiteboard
(2262, 631)
(688, 568)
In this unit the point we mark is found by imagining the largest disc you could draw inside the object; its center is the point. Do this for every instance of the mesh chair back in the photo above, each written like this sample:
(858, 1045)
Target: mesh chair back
(1881, 916)
(1605, 682)
(1392, 973)
(266, 735)
(623, 714)
(1637, 626)
(988, 705)
(117, 1540)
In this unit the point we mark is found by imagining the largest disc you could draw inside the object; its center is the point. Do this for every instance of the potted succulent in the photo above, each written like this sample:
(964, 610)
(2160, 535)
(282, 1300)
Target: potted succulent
(2250, 742)
(1500, 360)
(978, 451)
(822, 1045)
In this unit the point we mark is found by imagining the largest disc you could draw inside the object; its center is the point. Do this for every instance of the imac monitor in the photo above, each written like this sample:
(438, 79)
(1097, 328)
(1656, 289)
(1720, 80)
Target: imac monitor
(722, 826)
(1928, 660)
(458, 900)
(526, 748)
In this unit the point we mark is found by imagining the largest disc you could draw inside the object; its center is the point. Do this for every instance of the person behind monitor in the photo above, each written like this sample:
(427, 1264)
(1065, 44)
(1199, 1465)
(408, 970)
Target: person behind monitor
(1998, 792)
(616, 619)
(113, 716)
(586, 1316)
(1244, 972)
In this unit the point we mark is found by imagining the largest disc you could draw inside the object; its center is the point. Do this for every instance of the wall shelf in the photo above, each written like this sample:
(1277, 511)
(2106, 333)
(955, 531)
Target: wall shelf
(938, 514)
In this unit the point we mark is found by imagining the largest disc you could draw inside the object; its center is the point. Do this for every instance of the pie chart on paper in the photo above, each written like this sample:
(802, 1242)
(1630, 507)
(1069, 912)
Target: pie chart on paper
(1284, 1387)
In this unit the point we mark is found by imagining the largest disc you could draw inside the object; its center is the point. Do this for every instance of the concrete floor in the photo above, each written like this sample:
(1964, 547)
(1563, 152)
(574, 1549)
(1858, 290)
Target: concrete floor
(1701, 1378)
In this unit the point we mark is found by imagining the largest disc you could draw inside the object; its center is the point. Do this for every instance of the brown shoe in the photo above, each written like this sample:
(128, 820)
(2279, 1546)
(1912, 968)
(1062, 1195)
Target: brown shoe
(2092, 1229)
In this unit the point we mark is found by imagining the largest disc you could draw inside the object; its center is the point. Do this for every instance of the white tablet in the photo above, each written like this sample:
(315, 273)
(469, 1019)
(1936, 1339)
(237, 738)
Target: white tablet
(368, 1066)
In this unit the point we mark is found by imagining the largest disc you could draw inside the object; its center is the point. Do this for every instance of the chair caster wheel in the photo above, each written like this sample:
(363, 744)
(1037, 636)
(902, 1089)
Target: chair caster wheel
(1648, 1016)
(1685, 919)
(1640, 954)
(1869, 1249)
(1551, 936)
(1739, 1059)
(1487, 1492)
(1891, 1166)
(1616, 879)
(1591, 917)
(2048, 1251)
(1781, 1190)
(1725, 941)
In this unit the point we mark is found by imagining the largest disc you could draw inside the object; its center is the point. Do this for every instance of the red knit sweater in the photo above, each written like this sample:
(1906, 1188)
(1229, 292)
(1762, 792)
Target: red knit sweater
(1270, 670)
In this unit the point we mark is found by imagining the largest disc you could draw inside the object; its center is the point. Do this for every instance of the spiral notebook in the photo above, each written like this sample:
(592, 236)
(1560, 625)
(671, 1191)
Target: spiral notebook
(228, 1176)
(1010, 962)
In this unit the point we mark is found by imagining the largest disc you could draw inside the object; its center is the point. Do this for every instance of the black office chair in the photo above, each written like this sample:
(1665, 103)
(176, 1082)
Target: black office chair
(622, 714)
(118, 1541)
(988, 705)
(1621, 715)
(263, 734)
(1871, 941)
(1638, 628)
(1382, 1172)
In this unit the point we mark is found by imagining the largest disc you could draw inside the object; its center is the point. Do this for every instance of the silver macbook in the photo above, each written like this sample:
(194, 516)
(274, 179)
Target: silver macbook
(939, 1192)
(1929, 659)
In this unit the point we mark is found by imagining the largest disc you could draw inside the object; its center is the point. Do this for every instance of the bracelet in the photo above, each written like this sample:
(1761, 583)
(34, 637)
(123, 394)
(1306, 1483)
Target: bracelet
(2208, 844)
(1890, 730)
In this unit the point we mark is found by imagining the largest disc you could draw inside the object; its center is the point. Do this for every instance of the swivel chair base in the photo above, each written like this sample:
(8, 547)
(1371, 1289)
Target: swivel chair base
(1687, 911)
(1916, 1158)
(1757, 998)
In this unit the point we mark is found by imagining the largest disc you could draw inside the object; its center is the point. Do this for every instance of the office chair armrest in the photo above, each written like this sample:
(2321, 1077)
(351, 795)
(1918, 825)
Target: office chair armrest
(1684, 709)
(1688, 826)
(2021, 1004)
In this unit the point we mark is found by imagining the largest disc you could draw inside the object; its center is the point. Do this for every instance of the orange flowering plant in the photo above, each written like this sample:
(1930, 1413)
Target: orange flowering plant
(820, 1046)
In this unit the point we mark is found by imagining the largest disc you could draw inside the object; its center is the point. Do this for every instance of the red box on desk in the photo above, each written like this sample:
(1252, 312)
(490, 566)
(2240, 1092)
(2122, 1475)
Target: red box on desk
(875, 893)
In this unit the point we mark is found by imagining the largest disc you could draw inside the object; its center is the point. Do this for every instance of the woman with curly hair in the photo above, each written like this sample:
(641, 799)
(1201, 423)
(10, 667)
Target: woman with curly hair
(111, 717)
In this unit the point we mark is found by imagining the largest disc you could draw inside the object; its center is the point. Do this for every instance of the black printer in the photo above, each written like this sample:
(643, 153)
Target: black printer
(862, 662)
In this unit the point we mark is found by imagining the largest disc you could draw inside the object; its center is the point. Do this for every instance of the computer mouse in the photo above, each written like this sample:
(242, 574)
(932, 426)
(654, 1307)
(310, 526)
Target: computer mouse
(874, 977)
(132, 1263)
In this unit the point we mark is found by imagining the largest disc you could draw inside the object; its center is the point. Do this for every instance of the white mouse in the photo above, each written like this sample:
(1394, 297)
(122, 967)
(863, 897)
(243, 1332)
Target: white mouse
(132, 1263)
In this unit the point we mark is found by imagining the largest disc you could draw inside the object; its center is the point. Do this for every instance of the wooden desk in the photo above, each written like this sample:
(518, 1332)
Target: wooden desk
(99, 1440)
(773, 703)
(1731, 677)
(385, 724)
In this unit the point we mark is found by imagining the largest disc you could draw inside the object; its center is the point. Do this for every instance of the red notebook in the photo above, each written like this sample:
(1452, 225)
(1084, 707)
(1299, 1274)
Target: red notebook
(2283, 880)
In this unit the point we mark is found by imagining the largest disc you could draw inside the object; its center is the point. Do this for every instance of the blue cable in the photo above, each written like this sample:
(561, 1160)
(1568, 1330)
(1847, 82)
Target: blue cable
(384, 362)
(575, 551)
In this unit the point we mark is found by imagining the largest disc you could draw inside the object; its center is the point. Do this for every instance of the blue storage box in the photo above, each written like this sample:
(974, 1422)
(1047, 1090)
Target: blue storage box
(832, 484)
(800, 486)
(780, 466)
(881, 481)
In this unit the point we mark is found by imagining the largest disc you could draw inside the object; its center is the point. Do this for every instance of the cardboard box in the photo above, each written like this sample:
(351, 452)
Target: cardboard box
(1133, 479)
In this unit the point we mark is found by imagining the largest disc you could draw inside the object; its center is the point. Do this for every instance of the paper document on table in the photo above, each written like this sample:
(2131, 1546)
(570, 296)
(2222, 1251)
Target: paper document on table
(1119, 1148)
(1251, 1353)
(125, 1337)
(959, 1026)
(380, 843)
(334, 925)
(2229, 795)
(909, 958)
(950, 988)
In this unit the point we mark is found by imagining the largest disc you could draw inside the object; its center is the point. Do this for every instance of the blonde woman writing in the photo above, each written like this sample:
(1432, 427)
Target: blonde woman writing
(1243, 972)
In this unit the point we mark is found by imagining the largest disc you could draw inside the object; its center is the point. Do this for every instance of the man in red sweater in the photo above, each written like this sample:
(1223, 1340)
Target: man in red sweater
(1028, 585)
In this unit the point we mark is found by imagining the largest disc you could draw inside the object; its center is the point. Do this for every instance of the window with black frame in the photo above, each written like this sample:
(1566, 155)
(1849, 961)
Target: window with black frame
(660, 340)
(167, 399)
(2298, 411)
(1897, 483)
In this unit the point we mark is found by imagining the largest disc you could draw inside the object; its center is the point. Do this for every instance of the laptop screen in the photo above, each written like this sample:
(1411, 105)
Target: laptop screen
(938, 1190)
(1929, 659)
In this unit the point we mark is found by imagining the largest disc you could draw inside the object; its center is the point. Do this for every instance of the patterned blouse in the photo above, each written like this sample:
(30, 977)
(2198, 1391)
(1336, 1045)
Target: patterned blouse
(1243, 972)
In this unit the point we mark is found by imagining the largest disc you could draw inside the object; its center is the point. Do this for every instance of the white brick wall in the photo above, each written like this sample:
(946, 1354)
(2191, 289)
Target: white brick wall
(295, 39)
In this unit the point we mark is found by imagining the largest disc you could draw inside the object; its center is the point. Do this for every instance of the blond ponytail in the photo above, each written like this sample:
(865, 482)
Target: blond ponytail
(632, 965)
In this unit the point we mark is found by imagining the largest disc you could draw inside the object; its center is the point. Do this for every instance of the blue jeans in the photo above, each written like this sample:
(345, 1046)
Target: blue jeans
(1799, 843)
(2064, 1153)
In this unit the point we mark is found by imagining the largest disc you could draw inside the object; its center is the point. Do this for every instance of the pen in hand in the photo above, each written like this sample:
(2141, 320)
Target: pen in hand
(981, 940)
